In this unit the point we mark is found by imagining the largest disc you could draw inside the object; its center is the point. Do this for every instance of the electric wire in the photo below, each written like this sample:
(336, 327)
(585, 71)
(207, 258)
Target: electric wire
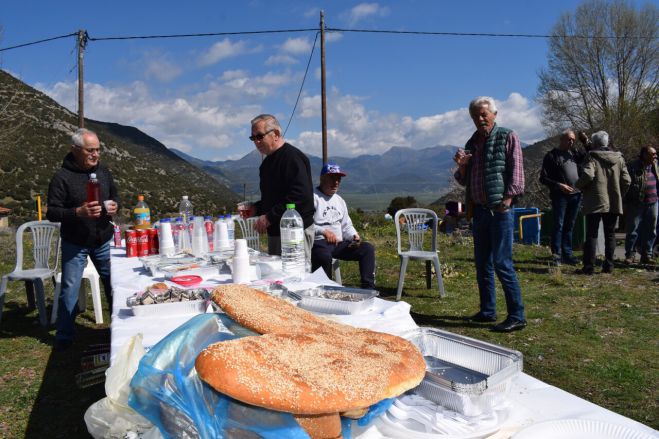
(209, 34)
(302, 85)
(3, 49)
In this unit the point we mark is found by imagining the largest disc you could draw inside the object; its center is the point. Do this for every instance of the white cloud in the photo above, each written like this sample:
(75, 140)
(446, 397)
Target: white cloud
(296, 46)
(225, 49)
(365, 10)
(280, 59)
(354, 130)
(159, 66)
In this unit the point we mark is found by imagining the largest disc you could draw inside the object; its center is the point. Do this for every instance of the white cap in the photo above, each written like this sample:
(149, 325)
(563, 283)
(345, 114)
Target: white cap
(185, 197)
(92, 175)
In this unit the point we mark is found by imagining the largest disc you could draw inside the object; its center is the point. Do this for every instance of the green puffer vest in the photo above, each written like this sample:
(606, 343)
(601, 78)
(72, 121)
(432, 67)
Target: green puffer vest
(496, 172)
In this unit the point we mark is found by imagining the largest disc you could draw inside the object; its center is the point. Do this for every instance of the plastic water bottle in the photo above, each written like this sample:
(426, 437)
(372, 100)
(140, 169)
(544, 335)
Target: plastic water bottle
(291, 228)
(185, 210)
(210, 226)
(231, 228)
(176, 231)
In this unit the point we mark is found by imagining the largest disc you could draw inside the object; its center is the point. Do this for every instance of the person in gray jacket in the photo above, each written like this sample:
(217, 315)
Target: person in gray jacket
(641, 206)
(603, 182)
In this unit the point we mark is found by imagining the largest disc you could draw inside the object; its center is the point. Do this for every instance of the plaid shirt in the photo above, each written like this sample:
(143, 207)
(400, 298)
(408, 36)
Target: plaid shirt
(514, 162)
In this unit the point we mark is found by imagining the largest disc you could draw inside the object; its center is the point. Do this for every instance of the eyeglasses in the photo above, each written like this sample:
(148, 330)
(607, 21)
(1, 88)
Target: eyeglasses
(90, 151)
(259, 137)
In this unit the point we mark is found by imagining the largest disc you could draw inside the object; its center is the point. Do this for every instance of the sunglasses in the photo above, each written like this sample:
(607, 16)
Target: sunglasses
(259, 137)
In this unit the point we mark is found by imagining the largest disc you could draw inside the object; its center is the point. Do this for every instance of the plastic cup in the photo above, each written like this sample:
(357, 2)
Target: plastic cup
(240, 248)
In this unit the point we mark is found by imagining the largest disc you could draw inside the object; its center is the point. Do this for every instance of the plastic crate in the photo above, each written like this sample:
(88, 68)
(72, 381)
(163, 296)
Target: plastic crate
(530, 226)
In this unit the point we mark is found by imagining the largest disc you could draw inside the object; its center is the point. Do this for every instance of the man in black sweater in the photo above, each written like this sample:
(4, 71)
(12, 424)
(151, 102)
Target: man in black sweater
(285, 177)
(560, 172)
(86, 230)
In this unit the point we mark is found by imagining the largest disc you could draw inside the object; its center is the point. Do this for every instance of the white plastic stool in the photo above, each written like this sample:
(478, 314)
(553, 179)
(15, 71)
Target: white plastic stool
(90, 274)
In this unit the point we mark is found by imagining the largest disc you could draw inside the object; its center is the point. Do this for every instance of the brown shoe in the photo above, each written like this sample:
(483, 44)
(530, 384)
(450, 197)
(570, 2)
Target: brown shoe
(629, 260)
(647, 260)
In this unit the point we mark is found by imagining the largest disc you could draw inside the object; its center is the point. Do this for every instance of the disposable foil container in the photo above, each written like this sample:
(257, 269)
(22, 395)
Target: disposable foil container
(328, 299)
(463, 374)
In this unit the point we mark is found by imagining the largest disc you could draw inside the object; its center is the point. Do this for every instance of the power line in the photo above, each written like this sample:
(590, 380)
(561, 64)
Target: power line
(38, 42)
(302, 85)
(211, 34)
(481, 34)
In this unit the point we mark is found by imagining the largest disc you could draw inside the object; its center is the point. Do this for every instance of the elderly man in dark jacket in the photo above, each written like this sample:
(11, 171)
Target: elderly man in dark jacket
(560, 172)
(86, 229)
(641, 206)
(604, 181)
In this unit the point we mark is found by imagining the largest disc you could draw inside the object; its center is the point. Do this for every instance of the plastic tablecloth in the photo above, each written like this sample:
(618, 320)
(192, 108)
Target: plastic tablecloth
(531, 400)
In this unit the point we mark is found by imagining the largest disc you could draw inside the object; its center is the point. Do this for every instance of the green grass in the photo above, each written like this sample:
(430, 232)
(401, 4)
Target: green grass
(595, 337)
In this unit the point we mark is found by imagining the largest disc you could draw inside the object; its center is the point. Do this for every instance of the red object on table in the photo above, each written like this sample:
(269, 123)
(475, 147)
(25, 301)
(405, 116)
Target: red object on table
(187, 281)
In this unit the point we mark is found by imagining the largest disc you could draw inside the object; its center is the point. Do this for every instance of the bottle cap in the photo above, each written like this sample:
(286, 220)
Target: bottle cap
(290, 206)
(140, 197)
(92, 176)
(165, 220)
(208, 217)
(185, 197)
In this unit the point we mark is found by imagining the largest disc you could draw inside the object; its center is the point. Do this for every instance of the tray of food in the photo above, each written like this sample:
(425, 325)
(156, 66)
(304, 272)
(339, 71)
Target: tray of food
(463, 374)
(161, 299)
(328, 299)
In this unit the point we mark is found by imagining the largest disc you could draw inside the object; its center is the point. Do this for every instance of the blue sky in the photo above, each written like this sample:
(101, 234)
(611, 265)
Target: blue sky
(198, 94)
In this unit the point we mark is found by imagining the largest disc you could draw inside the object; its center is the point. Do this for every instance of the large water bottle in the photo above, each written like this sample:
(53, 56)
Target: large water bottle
(185, 210)
(291, 228)
(231, 229)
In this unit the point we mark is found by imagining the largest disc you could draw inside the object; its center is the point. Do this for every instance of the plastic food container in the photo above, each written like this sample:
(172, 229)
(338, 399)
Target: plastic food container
(335, 300)
(463, 374)
(172, 308)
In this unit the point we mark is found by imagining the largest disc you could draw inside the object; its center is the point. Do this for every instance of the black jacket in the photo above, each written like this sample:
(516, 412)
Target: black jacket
(552, 174)
(285, 178)
(68, 190)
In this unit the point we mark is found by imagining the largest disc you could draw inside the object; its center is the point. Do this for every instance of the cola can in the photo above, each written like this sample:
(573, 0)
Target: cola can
(153, 241)
(142, 242)
(117, 236)
(131, 243)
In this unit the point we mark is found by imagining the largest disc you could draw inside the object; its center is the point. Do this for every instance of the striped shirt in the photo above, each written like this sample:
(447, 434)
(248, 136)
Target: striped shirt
(650, 186)
(514, 162)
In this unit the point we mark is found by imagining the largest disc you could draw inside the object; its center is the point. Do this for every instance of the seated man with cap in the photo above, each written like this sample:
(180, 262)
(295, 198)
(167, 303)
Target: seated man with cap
(335, 236)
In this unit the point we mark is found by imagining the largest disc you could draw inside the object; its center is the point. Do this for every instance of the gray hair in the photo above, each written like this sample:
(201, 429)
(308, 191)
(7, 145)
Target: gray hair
(481, 101)
(600, 139)
(568, 131)
(77, 138)
(271, 122)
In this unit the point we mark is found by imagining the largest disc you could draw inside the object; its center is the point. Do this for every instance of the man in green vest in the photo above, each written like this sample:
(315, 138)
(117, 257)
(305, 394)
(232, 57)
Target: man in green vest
(491, 169)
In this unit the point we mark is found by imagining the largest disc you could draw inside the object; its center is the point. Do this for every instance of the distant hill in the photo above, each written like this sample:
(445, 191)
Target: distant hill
(399, 170)
(35, 137)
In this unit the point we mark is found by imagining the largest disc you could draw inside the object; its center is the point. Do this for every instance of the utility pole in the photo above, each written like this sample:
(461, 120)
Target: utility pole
(82, 42)
(323, 96)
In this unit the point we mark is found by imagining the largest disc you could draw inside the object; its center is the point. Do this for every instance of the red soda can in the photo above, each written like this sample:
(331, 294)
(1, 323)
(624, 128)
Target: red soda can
(117, 236)
(153, 241)
(142, 242)
(131, 243)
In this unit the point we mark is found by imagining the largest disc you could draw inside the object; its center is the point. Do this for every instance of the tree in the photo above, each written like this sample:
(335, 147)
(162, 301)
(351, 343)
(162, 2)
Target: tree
(399, 203)
(603, 72)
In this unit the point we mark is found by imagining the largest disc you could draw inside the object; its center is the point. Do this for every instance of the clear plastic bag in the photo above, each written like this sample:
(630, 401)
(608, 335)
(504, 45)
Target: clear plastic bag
(111, 417)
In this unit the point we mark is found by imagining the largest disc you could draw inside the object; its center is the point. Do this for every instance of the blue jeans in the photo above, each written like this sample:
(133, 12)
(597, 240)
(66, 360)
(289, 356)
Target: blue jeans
(493, 253)
(74, 260)
(641, 226)
(565, 208)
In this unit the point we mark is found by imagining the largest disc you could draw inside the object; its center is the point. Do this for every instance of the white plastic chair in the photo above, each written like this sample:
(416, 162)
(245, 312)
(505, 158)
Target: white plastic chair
(45, 246)
(250, 233)
(416, 225)
(92, 276)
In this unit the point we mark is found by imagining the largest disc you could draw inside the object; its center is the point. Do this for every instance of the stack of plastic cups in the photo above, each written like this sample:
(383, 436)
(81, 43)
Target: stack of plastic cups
(240, 264)
(221, 237)
(199, 238)
(166, 238)
(184, 244)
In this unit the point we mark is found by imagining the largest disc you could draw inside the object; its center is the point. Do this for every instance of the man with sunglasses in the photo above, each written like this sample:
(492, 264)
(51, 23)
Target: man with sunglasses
(86, 229)
(285, 177)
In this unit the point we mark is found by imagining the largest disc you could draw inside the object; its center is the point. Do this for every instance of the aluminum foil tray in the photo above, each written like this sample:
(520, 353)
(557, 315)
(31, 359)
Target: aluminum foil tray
(463, 374)
(328, 299)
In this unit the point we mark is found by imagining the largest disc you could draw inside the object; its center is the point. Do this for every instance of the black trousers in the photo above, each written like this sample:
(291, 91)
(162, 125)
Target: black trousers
(592, 227)
(323, 252)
